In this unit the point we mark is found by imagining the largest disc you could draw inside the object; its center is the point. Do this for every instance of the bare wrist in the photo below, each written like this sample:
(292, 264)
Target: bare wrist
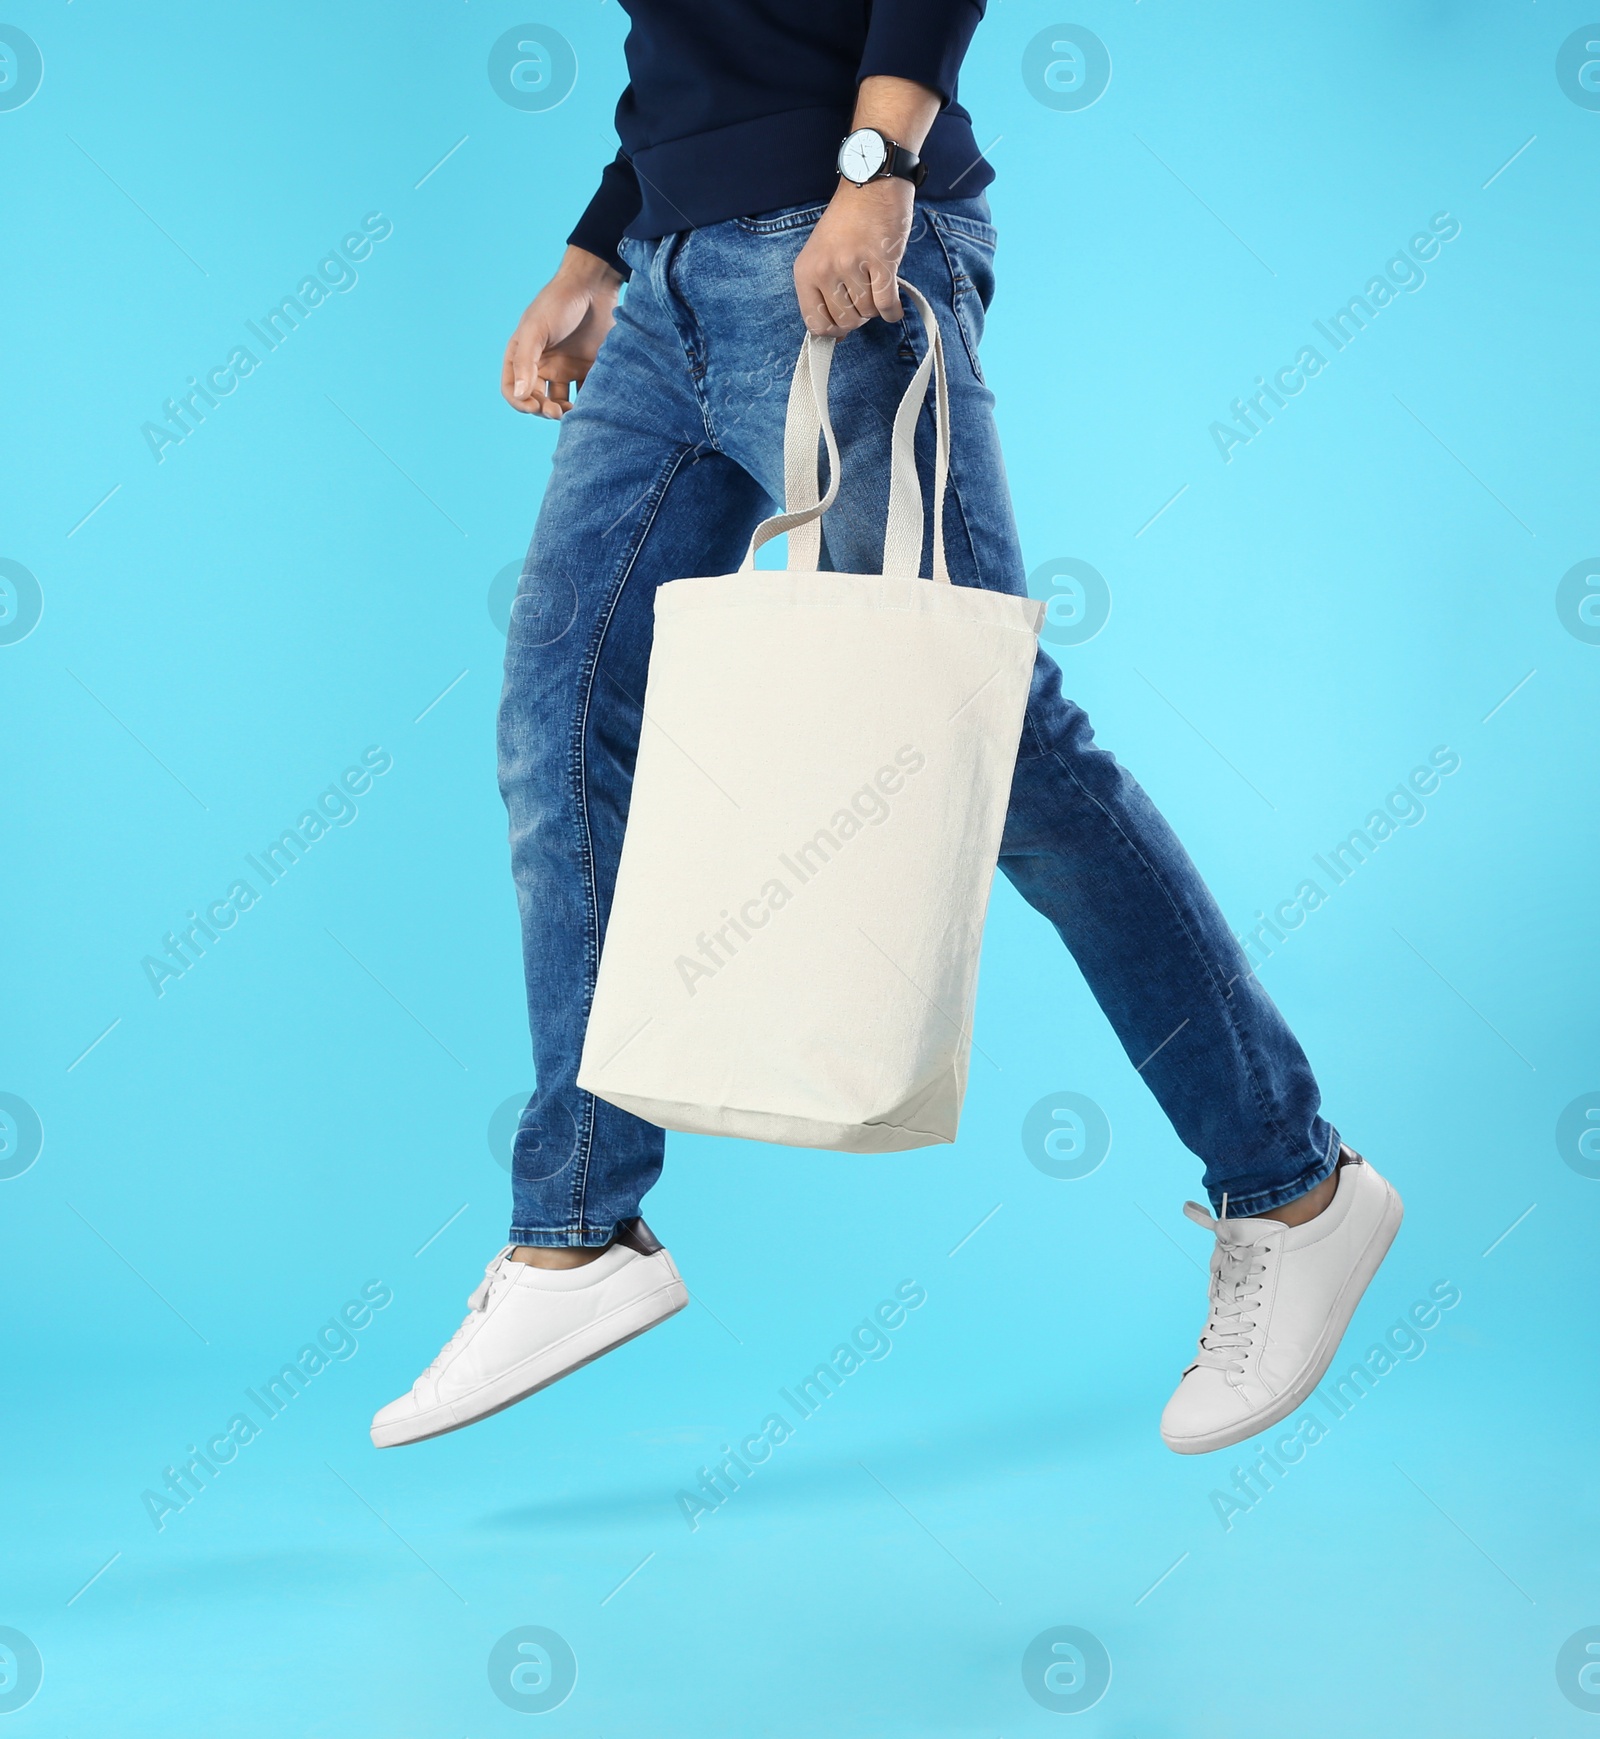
(897, 108)
(887, 204)
(887, 193)
(578, 266)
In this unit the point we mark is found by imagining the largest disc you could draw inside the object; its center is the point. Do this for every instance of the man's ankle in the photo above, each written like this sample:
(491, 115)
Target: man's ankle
(1305, 1207)
(556, 1256)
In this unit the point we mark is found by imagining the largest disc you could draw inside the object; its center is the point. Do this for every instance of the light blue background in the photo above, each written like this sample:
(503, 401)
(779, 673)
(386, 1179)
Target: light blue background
(308, 1106)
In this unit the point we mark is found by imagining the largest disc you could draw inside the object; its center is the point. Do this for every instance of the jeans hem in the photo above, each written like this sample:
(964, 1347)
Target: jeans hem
(1248, 1207)
(564, 1237)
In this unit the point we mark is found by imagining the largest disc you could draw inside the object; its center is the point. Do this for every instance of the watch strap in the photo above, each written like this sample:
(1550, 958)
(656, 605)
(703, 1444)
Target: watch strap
(905, 164)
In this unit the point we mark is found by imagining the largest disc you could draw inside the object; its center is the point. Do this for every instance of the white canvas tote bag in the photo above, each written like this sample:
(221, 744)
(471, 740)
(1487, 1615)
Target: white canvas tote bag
(824, 768)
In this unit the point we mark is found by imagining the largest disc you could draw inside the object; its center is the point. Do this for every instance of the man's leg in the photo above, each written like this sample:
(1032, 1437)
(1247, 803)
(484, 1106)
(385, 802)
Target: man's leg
(1083, 843)
(636, 497)
(1307, 1222)
(1086, 847)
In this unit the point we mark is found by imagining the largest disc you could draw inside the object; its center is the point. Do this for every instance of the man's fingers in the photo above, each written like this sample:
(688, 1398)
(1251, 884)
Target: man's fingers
(857, 285)
(836, 303)
(557, 339)
(509, 375)
(562, 374)
(885, 293)
(520, 377)
(842, 306)
(838, 298)
(530, 368)
(814, 309)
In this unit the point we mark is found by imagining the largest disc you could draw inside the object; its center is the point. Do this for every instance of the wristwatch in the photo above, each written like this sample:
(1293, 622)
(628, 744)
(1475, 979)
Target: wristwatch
(868, 155)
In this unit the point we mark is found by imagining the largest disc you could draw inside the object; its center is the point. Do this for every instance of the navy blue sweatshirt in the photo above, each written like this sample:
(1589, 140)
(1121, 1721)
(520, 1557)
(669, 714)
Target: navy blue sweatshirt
(735, 107)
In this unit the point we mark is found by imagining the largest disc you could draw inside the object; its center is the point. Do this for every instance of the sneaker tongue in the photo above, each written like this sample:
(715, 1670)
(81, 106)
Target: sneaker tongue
(1232, 1231)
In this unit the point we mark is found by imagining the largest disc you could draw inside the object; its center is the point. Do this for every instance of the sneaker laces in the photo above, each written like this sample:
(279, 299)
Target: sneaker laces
(498, 1269)
(1236, 1267)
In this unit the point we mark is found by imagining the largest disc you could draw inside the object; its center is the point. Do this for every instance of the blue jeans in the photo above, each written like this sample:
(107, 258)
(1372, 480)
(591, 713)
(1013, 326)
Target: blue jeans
(672, 454)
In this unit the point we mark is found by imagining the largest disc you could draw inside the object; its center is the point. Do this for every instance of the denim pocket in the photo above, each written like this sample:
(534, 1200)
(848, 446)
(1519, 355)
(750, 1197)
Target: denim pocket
(968, 247)
(777, 222)
(958, 224)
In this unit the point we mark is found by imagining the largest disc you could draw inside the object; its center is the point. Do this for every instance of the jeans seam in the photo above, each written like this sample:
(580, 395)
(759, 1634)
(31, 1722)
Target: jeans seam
(970, 227)
(960, 284)
(1246, 1207)
(693, 345)
(592, 1237)
(578, 771)
(807, 214)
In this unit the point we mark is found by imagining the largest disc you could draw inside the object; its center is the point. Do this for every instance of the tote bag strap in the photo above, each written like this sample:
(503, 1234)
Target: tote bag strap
(802, 491)
(902, 543)
(808, 417)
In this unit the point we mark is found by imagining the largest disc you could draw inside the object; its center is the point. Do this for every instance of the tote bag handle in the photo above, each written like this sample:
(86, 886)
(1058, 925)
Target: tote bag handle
(808, 417)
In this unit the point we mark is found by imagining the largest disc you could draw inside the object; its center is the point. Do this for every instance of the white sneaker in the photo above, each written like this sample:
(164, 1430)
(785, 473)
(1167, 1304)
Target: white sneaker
(528, 1326)
(1281, 1299)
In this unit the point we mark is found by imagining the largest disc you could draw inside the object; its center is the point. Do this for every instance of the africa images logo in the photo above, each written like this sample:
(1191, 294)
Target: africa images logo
(867, 807)
(335, 274)
(334, 1343)
(1403, 272)
(868, 1341)
(21, 68)
(182, 948)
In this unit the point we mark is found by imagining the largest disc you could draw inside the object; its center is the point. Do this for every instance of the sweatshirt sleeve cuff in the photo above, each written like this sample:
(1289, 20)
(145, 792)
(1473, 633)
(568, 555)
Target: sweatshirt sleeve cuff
(921, 40)
(614, 206)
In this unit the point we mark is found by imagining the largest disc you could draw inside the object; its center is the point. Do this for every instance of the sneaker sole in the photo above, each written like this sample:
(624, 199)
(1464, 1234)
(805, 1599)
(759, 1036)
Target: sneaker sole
(638, 1316)
(1338, 1321)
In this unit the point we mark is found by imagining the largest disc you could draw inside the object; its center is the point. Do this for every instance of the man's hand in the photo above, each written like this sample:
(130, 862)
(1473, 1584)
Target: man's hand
(559, 336)
(845, 275)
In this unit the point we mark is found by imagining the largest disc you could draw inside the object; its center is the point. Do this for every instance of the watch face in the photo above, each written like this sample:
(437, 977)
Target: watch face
(862, 155)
